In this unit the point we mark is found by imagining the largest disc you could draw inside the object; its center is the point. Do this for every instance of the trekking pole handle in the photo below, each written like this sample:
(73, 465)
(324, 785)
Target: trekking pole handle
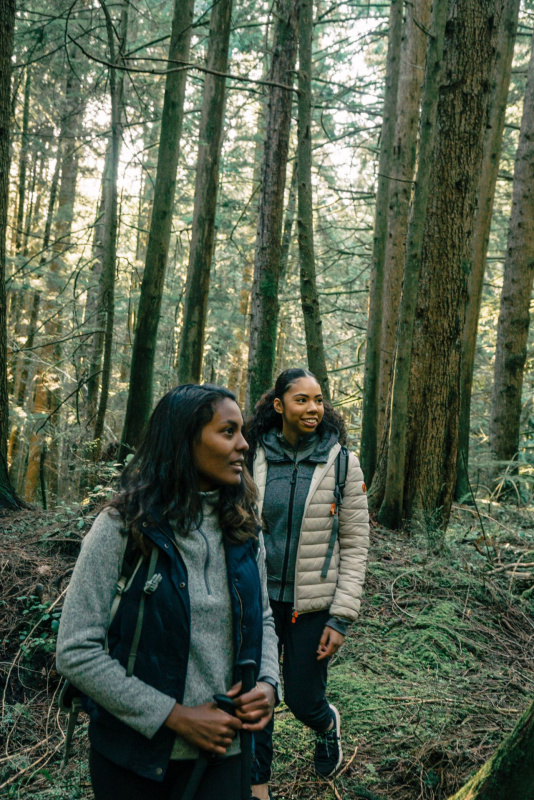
(247, 669)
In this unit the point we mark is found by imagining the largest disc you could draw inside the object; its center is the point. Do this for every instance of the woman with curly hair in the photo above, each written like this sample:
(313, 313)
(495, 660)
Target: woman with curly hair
(186, 507)
(316, 530)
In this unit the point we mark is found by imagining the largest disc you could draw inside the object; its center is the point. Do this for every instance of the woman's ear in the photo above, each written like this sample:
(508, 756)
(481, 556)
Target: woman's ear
(278, 405)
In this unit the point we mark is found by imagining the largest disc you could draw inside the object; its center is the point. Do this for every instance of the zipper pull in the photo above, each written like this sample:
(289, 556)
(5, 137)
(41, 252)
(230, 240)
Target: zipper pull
(294, 615)
(294, 474)
(333, 509)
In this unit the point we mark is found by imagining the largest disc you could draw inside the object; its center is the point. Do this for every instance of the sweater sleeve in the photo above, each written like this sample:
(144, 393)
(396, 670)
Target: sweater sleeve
(81, 656)
(269, 656)
(353, 545)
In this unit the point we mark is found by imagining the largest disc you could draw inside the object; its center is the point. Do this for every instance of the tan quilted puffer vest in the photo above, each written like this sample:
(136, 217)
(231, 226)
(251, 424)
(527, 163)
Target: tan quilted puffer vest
(341, 590)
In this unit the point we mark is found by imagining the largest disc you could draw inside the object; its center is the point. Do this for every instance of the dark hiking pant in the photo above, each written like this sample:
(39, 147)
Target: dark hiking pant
(304, 680)
(221, 781)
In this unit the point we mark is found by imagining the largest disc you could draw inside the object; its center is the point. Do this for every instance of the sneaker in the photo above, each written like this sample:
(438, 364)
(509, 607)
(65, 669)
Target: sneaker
(328, 752)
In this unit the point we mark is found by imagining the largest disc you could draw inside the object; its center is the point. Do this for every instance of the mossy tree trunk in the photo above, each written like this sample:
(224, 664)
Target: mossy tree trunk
(509, 774)
(264, 307)
(110, 221)
(514, 315)
(191, 350)
(428, 460)
(386, 491)
(486, 193)
(376, 287)
(308, 288)
(139, 403)
(401, 171)
(8, 498)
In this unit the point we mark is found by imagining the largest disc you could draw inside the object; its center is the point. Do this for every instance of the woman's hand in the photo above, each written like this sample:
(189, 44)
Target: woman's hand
(206, 726)
(330, 643)
(255, 708)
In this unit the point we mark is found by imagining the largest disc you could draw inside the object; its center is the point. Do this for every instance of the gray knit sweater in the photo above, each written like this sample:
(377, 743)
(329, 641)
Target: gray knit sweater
(81, 656)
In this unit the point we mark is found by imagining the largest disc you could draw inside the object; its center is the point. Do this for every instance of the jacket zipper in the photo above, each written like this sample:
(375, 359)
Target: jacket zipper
(331, 458)
(206, 562)
(236, 658)
(289, 523)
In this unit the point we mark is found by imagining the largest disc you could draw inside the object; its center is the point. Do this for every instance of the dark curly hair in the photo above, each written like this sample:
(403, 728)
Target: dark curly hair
(265, 417)
(161, 475)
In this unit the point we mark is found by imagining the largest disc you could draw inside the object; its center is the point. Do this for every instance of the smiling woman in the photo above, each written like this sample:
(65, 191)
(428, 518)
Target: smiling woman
(314, 514)
(186, 509)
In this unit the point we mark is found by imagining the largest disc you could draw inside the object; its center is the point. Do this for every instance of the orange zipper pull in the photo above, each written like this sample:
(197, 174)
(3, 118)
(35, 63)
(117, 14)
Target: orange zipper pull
(294, 616)
(333, 509)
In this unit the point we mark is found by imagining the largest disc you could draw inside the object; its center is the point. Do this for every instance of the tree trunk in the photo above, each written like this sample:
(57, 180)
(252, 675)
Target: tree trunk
(510, 771)
(139, 404)
(23, 164)
(110, 222)
(308, 288)
(369, 437)
(207, 181)
(513, 325)
(388, 483)
(7, 26)
(412, 68)
(267, 255)
(481, 232)
(430, 455)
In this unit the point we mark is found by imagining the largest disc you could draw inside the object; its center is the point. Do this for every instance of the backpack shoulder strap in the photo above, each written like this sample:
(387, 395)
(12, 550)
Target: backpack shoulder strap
(341, 470)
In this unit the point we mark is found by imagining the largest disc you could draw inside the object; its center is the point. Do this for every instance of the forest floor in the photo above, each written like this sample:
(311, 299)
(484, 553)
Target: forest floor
(436, 672)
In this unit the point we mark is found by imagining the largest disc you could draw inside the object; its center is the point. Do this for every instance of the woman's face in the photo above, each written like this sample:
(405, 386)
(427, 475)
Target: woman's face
(301, 408)
(219, 456)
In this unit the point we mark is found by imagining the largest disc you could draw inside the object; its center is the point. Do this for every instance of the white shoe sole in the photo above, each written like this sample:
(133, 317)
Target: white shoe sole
(337, 724)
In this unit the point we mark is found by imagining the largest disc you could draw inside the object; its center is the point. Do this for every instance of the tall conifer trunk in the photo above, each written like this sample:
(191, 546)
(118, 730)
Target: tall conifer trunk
(369, 437)
(387, 489)
(401, 172)
(207, 183)
(8, 498)
(139, 404)
(486, 193)
(514, 316)
(267, 254)
(110, 221)
(429, 459)
(308, 289)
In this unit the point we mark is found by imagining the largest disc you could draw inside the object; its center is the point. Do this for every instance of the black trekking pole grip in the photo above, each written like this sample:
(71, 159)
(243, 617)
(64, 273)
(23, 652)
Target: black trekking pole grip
(247, 670)
(225, 704)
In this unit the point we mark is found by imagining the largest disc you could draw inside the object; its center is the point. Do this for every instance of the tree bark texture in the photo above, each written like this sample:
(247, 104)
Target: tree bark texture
(514, 317)
(387, 488)
(374, 321)
(434, 386)
(139, 404)
(23, 162)
(509, 773)
(110, 222)
(308, 288)
(411, 74)
(191, 348)
(267, 256)
(486, 193)
(7, 25)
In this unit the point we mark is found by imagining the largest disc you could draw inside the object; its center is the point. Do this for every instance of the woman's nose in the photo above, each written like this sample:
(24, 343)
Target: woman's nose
(242, 444)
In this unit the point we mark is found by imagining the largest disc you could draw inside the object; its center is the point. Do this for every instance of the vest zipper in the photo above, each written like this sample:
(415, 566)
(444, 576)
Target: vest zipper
(289, 523)
(206, 562)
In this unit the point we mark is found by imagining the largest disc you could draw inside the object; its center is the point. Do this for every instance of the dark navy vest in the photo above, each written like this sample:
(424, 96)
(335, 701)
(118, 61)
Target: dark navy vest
(163, 649)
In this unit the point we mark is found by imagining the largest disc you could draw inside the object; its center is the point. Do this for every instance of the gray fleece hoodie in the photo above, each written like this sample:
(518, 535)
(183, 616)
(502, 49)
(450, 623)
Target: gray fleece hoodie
(81, 656)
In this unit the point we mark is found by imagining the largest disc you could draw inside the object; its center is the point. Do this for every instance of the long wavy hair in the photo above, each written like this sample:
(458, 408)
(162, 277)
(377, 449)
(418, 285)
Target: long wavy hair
(161, 476)
(265, 417)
